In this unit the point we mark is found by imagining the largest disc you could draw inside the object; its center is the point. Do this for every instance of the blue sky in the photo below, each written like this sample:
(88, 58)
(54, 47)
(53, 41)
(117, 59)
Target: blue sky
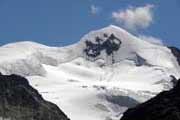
(63, 22)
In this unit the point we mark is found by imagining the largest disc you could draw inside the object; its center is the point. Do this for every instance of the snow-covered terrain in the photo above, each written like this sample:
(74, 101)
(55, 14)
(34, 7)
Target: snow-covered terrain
(98, 78)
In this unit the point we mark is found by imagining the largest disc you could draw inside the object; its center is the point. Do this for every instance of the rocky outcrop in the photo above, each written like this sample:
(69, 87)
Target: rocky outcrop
(19, 101)
(165, 106)
(108, 43)
(176, 53)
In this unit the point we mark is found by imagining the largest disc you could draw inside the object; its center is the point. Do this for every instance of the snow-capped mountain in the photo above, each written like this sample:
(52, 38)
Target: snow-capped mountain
(98, 78)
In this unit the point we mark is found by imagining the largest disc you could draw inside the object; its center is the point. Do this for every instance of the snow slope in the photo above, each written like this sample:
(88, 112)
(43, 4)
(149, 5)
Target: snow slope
(99, 84)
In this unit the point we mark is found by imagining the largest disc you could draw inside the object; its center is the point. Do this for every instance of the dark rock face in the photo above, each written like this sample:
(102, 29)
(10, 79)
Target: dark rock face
(176, 53)
(165, 106)
(19, 101)
(174, 81)
(110, 44)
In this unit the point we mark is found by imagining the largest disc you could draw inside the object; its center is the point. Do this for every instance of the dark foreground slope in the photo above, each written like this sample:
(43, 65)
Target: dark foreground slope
(165, 106)
(19, 101)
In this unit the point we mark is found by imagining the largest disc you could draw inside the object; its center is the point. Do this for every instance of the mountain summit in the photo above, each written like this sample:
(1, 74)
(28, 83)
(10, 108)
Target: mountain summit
(99, 77)
(114, 41)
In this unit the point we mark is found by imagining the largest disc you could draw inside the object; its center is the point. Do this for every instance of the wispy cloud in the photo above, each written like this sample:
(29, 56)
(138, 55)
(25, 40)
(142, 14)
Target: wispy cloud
(95, 9)
(134, 18)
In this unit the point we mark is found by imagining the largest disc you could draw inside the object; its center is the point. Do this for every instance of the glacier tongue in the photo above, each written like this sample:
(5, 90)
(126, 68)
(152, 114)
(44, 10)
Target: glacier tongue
(99, 77)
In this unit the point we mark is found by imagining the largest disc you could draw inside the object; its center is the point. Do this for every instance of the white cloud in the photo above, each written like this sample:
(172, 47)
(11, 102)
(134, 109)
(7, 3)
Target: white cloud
(134, 18)
(151, 39)
(94, 10)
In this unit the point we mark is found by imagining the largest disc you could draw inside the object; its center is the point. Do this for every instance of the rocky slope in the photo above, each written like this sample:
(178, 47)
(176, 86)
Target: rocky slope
(165, 106)
(19, 101)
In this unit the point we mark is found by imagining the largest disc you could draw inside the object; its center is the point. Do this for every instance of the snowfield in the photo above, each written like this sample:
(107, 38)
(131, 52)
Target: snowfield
(93, 88)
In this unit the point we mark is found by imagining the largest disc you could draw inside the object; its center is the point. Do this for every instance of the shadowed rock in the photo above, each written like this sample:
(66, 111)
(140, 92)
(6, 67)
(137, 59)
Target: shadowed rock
(174, 80)
(110, 44)
(176, 53)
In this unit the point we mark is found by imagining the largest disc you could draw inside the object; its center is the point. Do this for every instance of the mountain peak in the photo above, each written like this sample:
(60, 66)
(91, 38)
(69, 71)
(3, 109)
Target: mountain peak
(111, 43)
(115, 27)
(114, 44)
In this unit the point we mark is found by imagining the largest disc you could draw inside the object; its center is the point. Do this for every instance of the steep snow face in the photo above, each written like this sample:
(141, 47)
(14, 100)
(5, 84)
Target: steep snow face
(99, 77)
